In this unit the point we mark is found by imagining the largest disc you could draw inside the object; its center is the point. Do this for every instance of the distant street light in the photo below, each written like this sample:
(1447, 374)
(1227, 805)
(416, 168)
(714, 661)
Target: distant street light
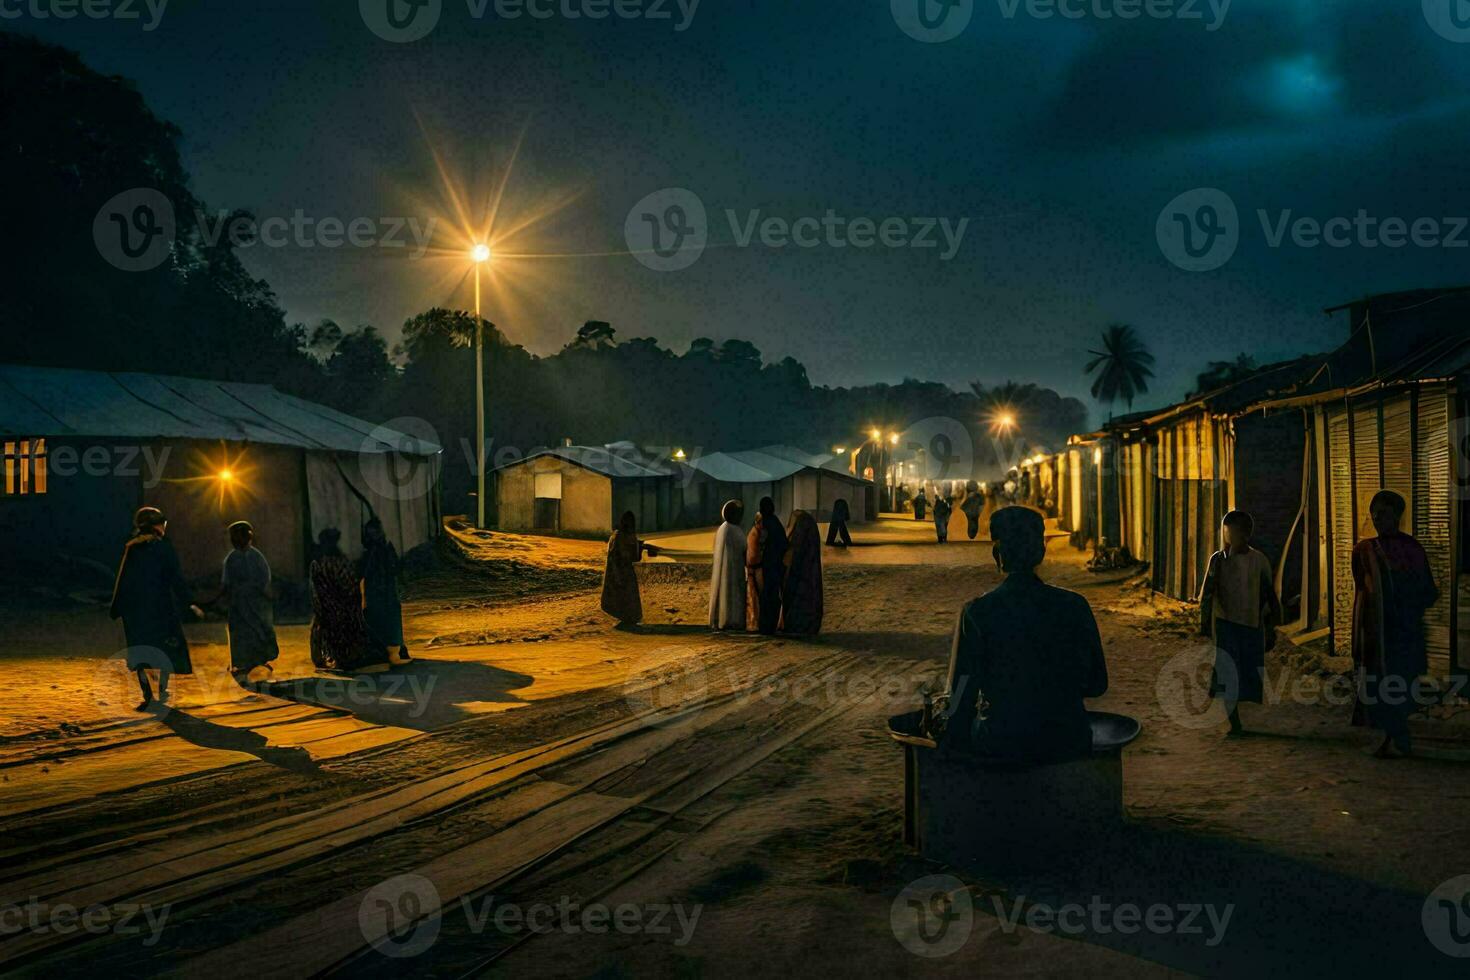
(480, 254)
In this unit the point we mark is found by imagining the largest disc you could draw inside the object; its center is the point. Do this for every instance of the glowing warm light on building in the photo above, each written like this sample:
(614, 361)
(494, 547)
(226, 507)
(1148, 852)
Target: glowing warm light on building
(893, 438)
(226, 475)
(480, 253)
(1097, 457)
(875, 434)
(679, 454)
(839, 450)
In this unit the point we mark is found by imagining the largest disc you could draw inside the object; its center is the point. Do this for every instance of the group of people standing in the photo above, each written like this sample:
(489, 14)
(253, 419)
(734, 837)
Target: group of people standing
(1393, 589)
(973, 502)
(767, 579)
(357, 619)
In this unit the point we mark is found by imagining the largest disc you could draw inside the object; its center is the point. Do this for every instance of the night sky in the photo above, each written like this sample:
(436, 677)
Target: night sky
(1061, 140)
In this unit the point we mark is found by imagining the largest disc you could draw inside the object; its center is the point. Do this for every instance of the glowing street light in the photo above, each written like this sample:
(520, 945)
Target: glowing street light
(479, 255)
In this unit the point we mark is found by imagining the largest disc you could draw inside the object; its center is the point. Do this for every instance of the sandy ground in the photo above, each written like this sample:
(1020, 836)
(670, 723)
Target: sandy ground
(792, 859)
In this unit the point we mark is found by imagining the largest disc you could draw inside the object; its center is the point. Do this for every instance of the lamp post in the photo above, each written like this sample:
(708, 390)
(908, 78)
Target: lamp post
(480, 254)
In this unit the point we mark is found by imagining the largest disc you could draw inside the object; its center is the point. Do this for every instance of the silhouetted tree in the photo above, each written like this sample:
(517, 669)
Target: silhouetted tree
(1122, 367)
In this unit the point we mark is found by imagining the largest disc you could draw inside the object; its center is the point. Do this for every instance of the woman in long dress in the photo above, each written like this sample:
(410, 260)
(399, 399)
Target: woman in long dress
(727, 578)
(382, 611)
(620, 598)
(1394, 589)
(801, 594)
(245, 586)
(339, 636)
(149, 596)
(765, 549)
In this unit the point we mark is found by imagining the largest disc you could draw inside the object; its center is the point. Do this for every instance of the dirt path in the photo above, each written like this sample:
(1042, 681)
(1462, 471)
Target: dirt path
(739, 790)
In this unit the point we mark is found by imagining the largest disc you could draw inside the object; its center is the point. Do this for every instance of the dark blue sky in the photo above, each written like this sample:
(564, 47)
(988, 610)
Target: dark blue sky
(1061, 140)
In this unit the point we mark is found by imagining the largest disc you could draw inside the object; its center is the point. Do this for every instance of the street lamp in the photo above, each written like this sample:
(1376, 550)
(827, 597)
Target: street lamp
(480, 254)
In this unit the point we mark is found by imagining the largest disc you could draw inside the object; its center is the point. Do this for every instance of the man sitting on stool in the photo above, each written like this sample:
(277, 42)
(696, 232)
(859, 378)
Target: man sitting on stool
(1025, 656)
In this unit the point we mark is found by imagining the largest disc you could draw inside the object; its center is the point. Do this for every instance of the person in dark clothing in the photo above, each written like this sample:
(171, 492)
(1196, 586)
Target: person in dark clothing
(837, 527)
(941, 518)
(150, 596)
(339, 636)
(382, 610)
(765, 553)
(1024, 657)
(1394, 588)
(972, 505)
(921, 504)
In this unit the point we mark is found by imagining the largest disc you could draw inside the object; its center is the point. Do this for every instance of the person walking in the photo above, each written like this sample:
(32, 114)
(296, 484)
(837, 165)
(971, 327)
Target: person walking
(941, 518)
(1393, 589)
(150, 596)
(245, 589)
(1239, 611)
(837, 533)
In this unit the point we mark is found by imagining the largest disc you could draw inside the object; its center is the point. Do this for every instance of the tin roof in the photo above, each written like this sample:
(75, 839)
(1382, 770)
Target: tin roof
(61, 402)
(613, 461)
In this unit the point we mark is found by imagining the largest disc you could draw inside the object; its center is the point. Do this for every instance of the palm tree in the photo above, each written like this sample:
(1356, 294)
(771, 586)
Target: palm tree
(1123, 366)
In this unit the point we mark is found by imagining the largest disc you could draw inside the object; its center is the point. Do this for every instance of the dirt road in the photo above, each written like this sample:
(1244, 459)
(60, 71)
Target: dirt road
(568, 799)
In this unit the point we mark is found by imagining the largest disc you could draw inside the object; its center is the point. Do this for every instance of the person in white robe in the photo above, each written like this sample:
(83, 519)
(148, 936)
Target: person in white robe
(727, 580)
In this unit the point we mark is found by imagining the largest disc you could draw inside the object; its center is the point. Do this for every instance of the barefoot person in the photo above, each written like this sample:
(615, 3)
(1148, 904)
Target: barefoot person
(620, 598)
(382, 611)
(149, 597)
(1024, 657)
(339, 636)
(1394, 588)
(1239, 610)
(245, 588)
(801, 593)
(727, 577)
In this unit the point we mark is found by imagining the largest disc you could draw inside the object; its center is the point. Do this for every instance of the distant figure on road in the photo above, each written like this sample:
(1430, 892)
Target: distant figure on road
(382, 610)
(801, 596)
(245, 587)
(765, 551)
(339, 637)
(1025, 655)
(837, 527)
(941, 518)
(921, 504)
(149, 596)
(973, 503)
(620, 598)
(1239, 609)
(1394, 589)
(727, 579)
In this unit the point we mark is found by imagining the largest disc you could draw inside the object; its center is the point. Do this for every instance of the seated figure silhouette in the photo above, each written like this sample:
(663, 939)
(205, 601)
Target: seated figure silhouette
(1025, 656)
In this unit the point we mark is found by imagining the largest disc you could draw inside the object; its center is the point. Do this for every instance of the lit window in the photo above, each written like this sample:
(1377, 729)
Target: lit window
(25, 467)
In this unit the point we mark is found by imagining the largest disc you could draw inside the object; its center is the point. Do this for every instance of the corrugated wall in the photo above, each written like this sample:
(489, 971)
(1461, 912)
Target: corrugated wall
(1398, 442)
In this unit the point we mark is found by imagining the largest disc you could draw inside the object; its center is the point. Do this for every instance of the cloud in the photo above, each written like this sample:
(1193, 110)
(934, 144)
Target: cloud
(1268, 67)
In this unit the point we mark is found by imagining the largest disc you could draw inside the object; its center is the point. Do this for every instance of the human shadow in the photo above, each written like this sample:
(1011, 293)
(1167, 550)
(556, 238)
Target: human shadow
(1284, 913)
(424, 694)
(664, 629)
(207, 734)
(894, 645)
